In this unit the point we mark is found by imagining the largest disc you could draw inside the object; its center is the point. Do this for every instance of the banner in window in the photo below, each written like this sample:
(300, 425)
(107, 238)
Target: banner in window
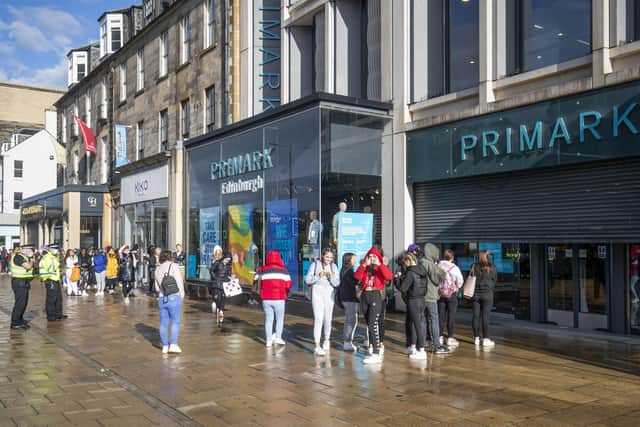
(209, 238)
(121, 145)
(243, 249)
(282, 235)
(355, 234)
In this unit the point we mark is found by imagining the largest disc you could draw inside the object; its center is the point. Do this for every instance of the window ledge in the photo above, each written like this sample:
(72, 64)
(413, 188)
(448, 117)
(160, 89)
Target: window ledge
(183, 66)
(123, 102)
(624, 50)
(541, 73)
(138, 93)
(208, 49)
(162, 78)
(445, 99)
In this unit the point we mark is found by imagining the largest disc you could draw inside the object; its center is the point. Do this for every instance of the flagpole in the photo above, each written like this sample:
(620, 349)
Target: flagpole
(88, 168)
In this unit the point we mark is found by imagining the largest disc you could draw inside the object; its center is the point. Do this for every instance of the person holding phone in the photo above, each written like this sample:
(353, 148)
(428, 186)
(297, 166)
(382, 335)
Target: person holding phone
(220, 273)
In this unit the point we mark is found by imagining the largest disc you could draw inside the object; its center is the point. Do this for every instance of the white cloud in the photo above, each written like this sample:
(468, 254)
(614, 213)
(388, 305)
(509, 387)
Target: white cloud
(52, 77)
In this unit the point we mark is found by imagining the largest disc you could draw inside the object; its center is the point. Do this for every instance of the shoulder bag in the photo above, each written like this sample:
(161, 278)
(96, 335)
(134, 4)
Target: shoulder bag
(469, 287)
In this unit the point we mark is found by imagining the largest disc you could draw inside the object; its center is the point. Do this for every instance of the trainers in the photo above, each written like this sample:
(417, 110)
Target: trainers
(381, 349)
(348, 346)
(370, 349)
(488, 343)
(269, 343)
(476, 341)
(174, 348)
(441, 340)
(319, 351)
(279, 341)
(441, 350)
(452, 342)
(418, 355)
(326, 345)
(165, 349)
(411, 350)
(126, 300)
(374, 358)
(213, 307)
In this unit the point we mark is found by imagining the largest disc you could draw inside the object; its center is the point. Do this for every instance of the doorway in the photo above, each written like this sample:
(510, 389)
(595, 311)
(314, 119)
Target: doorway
(576, 285)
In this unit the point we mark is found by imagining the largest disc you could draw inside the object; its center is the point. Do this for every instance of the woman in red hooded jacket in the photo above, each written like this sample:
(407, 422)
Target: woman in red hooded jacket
(372, 274)
(275, 283)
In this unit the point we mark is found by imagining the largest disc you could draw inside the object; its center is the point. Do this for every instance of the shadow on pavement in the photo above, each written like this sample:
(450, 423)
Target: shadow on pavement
(149, 333)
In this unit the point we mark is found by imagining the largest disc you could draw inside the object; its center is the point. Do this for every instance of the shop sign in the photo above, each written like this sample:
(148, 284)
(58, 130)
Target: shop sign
(268, 59)
(121, 145)
(241, 164)
(148, 185)
(241, 185)
(32, 210)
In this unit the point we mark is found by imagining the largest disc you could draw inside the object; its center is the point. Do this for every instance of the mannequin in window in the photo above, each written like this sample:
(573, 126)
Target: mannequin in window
(342, 208)
(314, 233)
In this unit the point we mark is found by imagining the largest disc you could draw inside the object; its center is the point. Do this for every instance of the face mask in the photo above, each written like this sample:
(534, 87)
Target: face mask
(54, 251)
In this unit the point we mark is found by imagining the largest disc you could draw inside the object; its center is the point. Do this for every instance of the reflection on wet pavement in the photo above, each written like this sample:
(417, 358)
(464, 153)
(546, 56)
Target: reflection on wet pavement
(103, 366)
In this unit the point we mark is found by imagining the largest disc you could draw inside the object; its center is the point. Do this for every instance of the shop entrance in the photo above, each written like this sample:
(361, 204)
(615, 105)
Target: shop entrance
(577, 284)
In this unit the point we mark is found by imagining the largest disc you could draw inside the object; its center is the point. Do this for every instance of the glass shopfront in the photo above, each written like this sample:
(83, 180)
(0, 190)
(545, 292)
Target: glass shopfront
(277, 186)
(634, 287)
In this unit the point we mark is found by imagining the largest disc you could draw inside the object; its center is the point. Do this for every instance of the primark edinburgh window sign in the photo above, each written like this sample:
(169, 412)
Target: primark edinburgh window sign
(595, 125)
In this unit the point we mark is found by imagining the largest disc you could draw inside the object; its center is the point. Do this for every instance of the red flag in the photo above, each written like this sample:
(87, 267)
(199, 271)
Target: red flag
(87, 136)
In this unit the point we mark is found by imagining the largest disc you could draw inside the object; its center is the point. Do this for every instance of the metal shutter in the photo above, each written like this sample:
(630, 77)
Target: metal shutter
(580, 203)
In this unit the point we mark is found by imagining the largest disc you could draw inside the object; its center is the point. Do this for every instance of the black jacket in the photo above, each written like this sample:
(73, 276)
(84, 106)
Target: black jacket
(347, 286)
(220, 272)
(414, 284)
(126, 271)
(485, 280)
(84, 260)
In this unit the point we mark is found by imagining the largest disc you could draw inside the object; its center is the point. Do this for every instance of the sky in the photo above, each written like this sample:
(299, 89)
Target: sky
(35, 37)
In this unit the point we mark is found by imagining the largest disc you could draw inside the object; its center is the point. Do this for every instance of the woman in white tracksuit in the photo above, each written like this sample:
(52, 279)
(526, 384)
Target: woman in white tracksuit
(323, 277)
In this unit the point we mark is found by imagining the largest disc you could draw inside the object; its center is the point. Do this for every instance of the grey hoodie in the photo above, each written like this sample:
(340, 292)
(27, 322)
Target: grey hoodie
(435, 275)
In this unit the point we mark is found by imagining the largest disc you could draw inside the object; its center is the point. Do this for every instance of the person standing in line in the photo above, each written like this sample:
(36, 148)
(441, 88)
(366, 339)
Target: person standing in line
(275, 284)
(486, 278)
(448, 304)
(85, 262)
(50, 278)
(347, 290)
(99, 263)
(127, 272)
(3, 260)
(21, 266)
(414, 287)
(153, 262)
(372, 275)
(170, 305)
(111, 271)
(323, 277)
(435, 275)
(73, 272)
(220, 273)
(180, 258)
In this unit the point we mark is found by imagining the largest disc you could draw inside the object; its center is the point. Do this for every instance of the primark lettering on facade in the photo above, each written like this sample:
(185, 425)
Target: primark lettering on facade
(241, 164)
(240, 186)
(544, 135)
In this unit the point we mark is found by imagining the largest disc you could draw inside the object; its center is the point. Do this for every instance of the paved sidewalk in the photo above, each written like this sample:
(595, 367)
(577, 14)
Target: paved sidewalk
(103, 367)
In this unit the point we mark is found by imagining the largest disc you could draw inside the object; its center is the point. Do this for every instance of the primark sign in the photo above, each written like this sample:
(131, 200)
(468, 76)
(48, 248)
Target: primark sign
(595, 125)
(242, 164)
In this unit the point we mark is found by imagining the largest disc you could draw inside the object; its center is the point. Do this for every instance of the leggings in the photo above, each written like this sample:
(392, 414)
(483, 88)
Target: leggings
(447, 308)
(126, 288)
(417, 331)
(218, 297)
(371, 308)
(351, 320)
(322, 302)
(482, 304)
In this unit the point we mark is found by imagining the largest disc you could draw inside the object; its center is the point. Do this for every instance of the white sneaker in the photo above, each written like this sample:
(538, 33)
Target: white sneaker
(213, 307)
(370, 349)
(486, 342)
(174, 348)
(269, 343)
(84, 293)
(326, 345)
(319, 351)
(279, 341)
(348, 346)
(418, 355)
(126, 300)
(381, 350)
(374, 358)
(477, 341)
(411, 350)
(165, 349)
(441, 340)
(452, 342)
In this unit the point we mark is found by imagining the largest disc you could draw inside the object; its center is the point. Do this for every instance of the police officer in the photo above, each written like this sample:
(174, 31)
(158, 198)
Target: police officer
(21, 266)
(50, 277)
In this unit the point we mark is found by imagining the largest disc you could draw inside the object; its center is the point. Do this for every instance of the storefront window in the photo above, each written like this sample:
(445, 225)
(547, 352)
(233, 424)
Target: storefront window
(90, 231)
(146, 224)
(634, 287)
(512, 260)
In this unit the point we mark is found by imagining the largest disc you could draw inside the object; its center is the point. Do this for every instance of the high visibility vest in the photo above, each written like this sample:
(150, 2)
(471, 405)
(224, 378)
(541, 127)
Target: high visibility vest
(18, 271)
(50, 267)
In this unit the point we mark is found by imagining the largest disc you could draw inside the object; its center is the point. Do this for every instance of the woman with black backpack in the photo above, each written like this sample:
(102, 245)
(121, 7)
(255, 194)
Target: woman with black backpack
(414, 287)
(170, 288)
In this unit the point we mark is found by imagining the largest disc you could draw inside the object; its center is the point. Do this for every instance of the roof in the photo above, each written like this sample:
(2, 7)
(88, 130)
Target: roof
(85, 47)
(125, 10)
(22, 86)
(71, 188)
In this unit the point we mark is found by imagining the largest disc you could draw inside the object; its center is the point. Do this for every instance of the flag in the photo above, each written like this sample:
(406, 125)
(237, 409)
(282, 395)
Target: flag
(87, 136)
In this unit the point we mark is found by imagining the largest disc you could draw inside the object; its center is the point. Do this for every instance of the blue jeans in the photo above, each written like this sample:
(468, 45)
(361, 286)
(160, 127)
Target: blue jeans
(170, 310)
(272, 307)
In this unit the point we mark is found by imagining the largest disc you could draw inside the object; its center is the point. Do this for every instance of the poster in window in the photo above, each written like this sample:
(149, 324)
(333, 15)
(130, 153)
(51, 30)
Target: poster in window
(283, 235)
(243, 249)
(121, 145)
(355, 234)
(209, 238)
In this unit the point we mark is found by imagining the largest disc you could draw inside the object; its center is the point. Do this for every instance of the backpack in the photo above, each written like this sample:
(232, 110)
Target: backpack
(169, 285)
(447, 288)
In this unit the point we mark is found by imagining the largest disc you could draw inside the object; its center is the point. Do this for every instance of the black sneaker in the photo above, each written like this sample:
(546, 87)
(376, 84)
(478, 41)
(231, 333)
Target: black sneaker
(441, 350)
(20, 327)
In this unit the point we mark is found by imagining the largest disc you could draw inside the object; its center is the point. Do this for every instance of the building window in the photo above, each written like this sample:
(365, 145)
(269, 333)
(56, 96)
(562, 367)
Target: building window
(103, 100)
(209, 16)
(164, 53)
(123, 82)
(140, 61)
(81, 71)
(463, 51)
(17, 198)
(116, 35)
(185, 38)
(210, 110)
(63, 118)
(103, 38)
(164, 130)
(75, 123)
(185, 116)
(17, 168)
(110, 33)
(543, 35)
(77, 67)
(87, 109)
(140, 142)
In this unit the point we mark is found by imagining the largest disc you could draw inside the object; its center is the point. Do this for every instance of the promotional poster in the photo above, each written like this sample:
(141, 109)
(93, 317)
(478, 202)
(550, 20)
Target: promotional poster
(243, 249)
(355, 234)
(283, 234)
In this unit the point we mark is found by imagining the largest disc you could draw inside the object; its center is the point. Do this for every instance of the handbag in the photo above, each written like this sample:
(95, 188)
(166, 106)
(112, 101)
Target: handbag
(469, 287)
(232, 288)
(75, 274)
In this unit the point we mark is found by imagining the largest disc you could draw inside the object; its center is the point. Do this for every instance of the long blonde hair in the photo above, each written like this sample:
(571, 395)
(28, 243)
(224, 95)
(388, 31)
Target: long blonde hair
(484, 260)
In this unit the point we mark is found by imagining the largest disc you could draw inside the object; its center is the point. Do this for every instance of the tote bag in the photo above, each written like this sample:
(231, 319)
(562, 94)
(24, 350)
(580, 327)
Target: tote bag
(232, 288)
(469, 287)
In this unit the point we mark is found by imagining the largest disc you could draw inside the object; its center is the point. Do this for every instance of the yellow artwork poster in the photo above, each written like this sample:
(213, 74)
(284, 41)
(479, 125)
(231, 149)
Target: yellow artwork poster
(241, 243)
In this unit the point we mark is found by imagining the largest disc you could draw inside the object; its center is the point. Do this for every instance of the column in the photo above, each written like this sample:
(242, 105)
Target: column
(486, 60)
(329, 47)
(600, 41)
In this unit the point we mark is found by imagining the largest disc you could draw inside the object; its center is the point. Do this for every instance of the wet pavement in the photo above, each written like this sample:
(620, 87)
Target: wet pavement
(103, 366)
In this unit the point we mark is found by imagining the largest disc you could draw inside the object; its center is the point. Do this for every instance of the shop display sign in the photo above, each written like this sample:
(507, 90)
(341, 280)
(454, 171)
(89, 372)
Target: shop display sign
(355, 234)
(148, 185)
(209, 238)
(121, 145)
(243, 249)
(32, 210)
(241, 164)
(283, 235)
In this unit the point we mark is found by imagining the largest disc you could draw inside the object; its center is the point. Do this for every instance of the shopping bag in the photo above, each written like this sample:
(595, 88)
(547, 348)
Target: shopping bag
(232, 288)
(469, 287)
